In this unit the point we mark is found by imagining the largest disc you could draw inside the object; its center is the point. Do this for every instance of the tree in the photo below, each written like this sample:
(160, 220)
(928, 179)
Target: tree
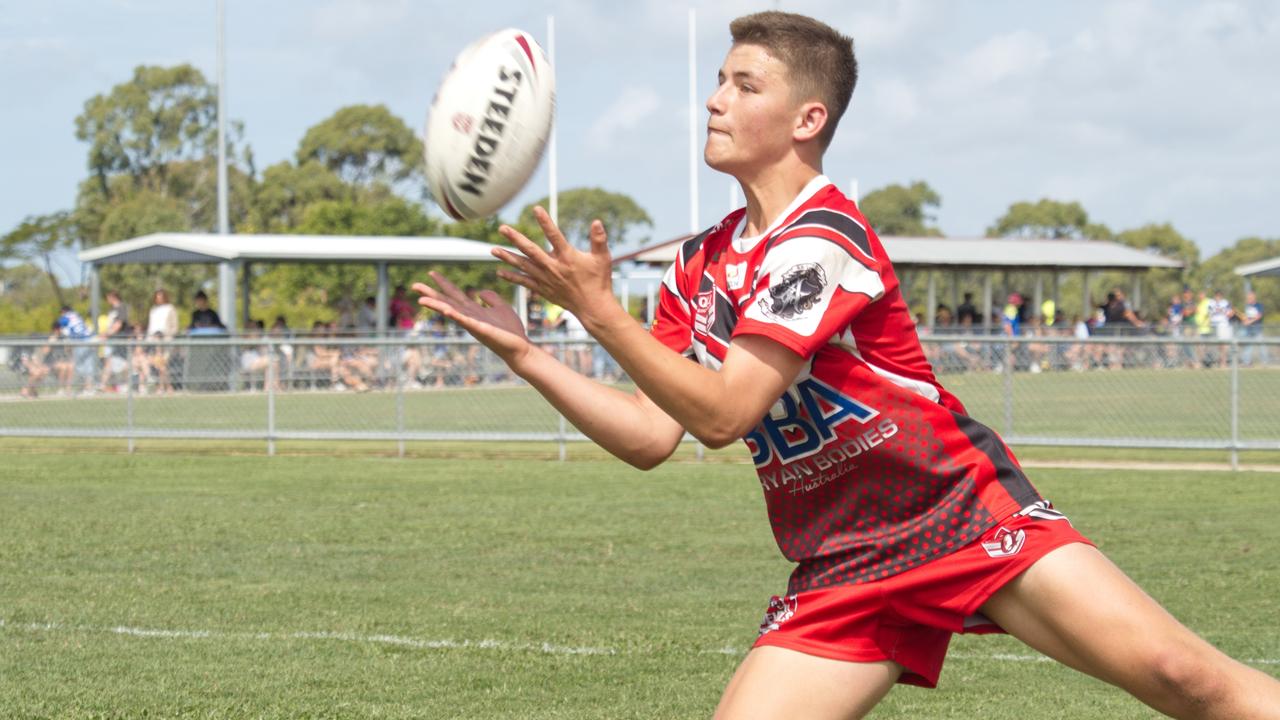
(364, 144)
(161, 116)
(1048, 219)
(1218, 272)
(902, 211)
(580, 206)
(287, 190)
(36, 239)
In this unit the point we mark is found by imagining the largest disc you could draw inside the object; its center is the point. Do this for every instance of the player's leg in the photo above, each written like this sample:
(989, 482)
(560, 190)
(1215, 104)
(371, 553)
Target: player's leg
(1075, 606)
(774, 682)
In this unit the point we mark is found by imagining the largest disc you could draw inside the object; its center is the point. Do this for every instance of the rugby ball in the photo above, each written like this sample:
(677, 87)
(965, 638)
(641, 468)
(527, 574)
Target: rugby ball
(488, 124)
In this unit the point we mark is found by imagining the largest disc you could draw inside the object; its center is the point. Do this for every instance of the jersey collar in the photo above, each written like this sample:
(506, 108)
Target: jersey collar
(744, 244)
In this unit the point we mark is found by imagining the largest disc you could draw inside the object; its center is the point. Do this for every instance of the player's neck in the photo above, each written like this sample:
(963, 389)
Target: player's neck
(768, 193)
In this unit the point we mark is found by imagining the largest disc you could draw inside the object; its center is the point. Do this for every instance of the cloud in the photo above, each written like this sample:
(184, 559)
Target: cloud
(635, 105)
(1014, 55)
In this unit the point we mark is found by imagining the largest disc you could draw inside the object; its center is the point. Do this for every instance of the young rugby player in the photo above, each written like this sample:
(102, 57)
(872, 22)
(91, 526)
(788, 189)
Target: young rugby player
(908, 521)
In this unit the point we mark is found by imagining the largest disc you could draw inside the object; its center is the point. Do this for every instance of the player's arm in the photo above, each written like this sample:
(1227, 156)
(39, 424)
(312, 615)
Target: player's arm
(630, 426)
(717, 407)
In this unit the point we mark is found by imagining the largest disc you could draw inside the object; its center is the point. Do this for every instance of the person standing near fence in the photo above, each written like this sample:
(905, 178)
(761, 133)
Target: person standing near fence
(162, 327)
(1251, 327)
(908, 520)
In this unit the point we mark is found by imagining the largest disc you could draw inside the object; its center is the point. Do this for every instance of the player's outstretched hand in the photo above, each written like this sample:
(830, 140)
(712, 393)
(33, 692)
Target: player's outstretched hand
(491, 320)
(580, 281)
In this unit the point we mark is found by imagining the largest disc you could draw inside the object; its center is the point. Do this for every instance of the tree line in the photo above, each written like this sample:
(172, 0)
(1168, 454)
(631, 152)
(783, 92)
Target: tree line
(152, 167)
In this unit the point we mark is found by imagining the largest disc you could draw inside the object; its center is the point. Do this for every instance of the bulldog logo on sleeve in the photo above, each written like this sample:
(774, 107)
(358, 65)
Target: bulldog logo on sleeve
(799, 290)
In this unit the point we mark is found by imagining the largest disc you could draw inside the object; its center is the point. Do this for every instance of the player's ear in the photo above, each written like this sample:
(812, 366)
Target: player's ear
(811, 118)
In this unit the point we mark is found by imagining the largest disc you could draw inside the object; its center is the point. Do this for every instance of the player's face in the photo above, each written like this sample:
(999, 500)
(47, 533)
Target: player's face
(753, 113)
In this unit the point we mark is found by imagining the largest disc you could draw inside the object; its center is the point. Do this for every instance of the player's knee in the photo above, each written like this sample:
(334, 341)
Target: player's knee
(1197, 681)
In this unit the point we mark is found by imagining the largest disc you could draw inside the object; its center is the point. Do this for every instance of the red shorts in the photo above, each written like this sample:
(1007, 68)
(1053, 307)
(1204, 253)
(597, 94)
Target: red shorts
(909, 618)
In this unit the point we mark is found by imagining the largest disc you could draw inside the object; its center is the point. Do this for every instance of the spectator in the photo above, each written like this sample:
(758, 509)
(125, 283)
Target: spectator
(967, 311)
(536, 316)
(401, 310)
(578, 351)
(115, 357)
(204, 317)
(323, 358)
(367, 319)
(72, 328)
(1120, 315)
(1251, 328)
(36, 364)
(256, 360)
(1220, 314)
(162, 326)
(1011, 318)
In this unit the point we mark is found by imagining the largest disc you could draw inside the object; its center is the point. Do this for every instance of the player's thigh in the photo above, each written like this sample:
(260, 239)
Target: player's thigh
(1077, 607)
(774, 682)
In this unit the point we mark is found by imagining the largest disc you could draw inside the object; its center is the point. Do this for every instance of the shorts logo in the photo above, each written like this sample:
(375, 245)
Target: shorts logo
(704, 311)
(780, 610)
(797, 292)
(1005, 543)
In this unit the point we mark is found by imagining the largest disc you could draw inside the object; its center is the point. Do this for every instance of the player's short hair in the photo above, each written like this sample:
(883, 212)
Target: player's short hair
(819, 59)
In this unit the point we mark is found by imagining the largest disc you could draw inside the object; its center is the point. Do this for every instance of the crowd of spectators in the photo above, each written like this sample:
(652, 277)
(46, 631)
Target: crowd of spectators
(119, 350)
(1204, 317)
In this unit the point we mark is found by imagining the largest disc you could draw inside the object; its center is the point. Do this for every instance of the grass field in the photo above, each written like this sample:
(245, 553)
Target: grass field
(172, 585)
(1150, 404)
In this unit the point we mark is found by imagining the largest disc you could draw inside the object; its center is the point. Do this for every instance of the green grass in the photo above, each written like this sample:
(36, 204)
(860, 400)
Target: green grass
(299, 568)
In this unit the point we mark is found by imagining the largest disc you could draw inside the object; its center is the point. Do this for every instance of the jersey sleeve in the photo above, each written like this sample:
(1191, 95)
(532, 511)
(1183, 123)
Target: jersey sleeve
(808, 288)
(672, 320)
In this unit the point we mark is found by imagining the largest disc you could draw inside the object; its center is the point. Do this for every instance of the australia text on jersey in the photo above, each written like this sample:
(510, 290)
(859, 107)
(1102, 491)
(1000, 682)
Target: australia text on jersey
(802, 438)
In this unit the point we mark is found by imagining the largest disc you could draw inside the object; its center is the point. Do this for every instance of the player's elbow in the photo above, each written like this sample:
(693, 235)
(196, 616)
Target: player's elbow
(721, 435)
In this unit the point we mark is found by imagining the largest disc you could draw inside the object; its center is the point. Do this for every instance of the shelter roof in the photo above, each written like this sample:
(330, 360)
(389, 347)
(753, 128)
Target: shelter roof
(1261, 268)
(981, 253)
(208, 248)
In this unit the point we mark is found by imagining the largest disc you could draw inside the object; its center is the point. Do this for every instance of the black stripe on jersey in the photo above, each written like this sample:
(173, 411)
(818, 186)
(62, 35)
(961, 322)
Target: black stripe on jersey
(691, 246)
(839, 222)
(1007, 472)
(726, 319)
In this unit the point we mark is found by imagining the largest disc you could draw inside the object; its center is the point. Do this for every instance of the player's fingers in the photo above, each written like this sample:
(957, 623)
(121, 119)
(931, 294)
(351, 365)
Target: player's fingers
(599, 239)
(492, 299)
(517, 261)
(449, 290)
(518, 279)
(532, 250)
(549, 229)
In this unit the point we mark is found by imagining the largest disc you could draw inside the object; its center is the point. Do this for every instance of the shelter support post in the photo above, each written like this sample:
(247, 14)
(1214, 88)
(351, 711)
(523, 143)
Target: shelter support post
(930, 310)
(1057, 289)
(522, 305)
(227, 294)
(1136, 279)
(1087, 294)
(95, 296)
(381, 299)
(245, 282)
(1037, 297)
(986, 303)
(955, 294)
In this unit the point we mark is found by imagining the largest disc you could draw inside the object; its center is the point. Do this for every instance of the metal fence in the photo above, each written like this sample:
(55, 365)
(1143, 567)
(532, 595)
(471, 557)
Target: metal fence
(1115, 392)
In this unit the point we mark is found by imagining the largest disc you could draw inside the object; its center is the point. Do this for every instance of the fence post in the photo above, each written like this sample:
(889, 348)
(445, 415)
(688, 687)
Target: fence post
(1008, 387)
(128, 401)
(269, 380)
(400, 407)
(1235, 404)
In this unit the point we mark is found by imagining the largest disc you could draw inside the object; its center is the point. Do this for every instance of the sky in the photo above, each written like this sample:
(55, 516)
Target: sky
(1143, 111)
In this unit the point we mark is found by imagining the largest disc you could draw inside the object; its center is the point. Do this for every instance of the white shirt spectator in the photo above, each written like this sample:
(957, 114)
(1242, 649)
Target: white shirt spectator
(162, 321)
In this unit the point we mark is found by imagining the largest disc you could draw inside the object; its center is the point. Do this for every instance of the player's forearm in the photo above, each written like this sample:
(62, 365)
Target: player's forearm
(695, 396)
(615, 420)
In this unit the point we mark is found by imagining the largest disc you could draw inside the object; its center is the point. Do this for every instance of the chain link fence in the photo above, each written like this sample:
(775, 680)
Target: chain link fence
(1114, 392)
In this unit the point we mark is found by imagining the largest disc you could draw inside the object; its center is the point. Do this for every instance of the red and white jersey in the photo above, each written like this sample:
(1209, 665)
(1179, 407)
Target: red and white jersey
(869, 466)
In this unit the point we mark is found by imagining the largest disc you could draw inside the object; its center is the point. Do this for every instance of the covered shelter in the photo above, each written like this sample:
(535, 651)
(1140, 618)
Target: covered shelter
(932, 255)
(1262, 268)
(235, 253)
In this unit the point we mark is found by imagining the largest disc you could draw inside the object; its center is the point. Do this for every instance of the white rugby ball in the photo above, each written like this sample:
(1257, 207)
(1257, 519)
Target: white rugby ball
(489, 124)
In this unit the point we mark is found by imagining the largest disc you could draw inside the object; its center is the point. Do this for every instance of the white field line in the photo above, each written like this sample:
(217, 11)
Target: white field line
(448, 644)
